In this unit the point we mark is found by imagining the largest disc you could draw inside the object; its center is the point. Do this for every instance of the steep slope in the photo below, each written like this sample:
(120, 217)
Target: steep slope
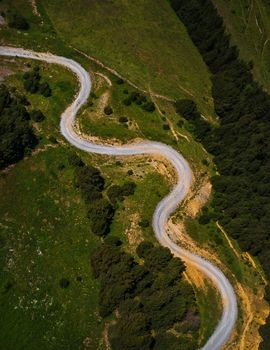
(248, 21)
(144, 41)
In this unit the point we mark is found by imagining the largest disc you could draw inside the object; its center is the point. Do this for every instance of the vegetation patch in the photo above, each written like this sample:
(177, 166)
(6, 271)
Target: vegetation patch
(240, 144)
(16, 20)
(48, 296)
(32, 83)
(17, 136)
(150, 298)
(249, 25)
(147, 40)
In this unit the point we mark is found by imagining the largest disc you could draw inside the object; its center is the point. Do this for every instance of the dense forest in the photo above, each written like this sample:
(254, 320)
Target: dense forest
(155, 307)
(17, 136)
(241, 142)
(16, 117)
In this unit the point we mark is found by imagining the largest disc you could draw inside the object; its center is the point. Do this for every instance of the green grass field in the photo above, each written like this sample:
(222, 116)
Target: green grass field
(248, 22)
(148, 50)
(144, 41)
(141, 124)
(45, 236)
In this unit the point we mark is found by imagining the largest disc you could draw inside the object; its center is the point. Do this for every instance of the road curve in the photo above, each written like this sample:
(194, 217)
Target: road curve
(167, 205)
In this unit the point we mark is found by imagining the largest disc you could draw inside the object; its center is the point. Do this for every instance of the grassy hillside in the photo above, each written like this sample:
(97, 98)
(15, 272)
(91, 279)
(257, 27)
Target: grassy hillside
(143, 40)
(151, 48)
(45, 236)
(248, 22)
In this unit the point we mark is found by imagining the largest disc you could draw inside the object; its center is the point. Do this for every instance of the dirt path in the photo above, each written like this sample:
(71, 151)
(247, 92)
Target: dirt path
(109, 82)
(228, 240)
(34, 8)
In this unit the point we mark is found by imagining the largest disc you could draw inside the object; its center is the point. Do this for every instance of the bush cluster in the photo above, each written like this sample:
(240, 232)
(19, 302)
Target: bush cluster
(16, 20)
(151, 298)
(118, 193)
(108, 110)
(140, 100)
(32, 83)
(100, 210)
(91, 184)
(36, 115)
(16, 133)
(198, 125)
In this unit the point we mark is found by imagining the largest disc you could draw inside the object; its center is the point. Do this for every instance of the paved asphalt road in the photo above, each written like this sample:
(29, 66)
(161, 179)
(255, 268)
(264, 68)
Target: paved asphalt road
(167, 205)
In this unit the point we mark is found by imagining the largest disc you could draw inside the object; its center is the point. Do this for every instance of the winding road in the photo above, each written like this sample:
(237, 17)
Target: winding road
(167, 205)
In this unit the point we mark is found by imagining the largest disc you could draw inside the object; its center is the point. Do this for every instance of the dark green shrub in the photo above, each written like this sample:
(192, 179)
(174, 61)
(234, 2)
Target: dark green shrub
(33, 85)
(64, 283)
(100, 214)
(127, 101)
(144, 248)
(108, 110)
(180, 123)
(15, 20)
(123, 119)
(128, 188)
(45, 89)
(88, 177)
(37, 116)
(16, 133)
(119, 81)
(149, 107)
(144, 223)
(53, 140)
(75, 160)
(115, 193)
(186, 108)
(112, 240)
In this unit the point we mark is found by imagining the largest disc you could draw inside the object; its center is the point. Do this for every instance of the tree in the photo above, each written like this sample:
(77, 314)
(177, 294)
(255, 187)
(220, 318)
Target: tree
(136, 328)
(32, 83)
(127, 101)
(75, 160)
(17, 136)
(15, 20)
(187, 108)
(45, 90)
(128, 188)
(144, 223)
(123, 119)
(64, 283)
(115, 194)
(100, 214)
(119, 81)
(37, 116)
(144, 248)
(112, 240)
(108, 110)
(149, 107)
(89, 177)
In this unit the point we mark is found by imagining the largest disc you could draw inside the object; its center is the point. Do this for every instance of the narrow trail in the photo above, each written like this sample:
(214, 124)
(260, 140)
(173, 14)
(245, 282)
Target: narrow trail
(165, 207)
